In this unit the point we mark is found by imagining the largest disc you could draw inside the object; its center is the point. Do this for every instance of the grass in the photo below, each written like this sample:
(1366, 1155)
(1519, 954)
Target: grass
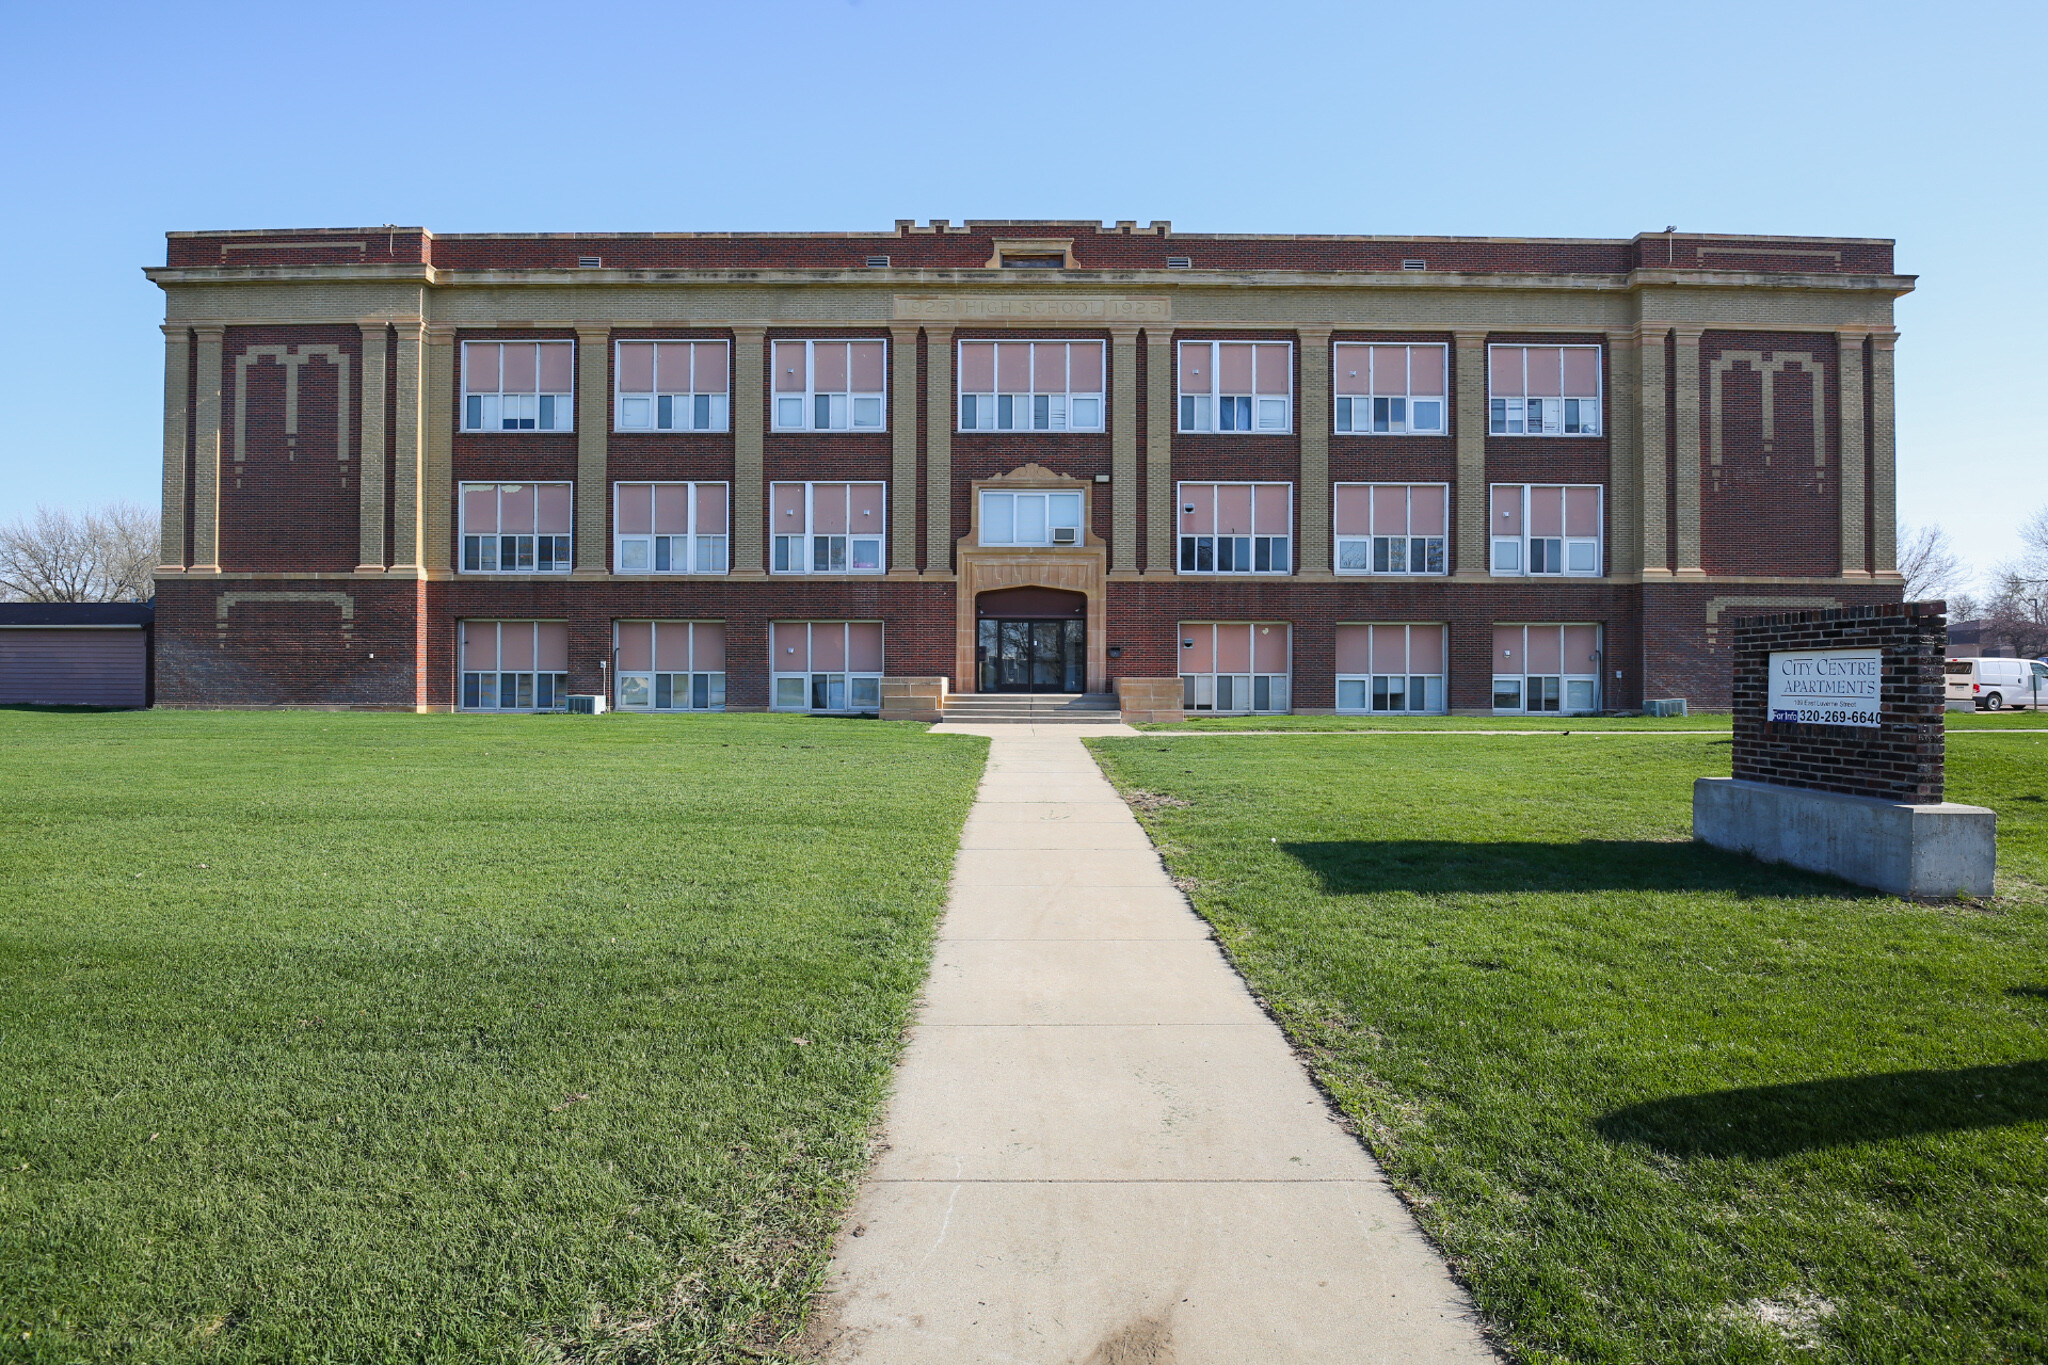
(1655, 1102)
(400, 1038)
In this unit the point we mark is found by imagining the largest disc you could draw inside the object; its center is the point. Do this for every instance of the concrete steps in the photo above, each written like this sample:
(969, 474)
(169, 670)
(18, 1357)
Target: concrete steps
(1030, 708)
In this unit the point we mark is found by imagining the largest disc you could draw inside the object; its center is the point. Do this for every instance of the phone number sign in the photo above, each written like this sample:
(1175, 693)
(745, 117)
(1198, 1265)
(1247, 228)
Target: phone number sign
(1827, 686)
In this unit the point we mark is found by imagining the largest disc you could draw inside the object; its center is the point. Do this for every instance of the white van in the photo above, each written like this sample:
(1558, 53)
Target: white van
(1994, 684)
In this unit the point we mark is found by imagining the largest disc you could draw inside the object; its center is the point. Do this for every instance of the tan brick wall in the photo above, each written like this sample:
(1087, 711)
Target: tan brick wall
(1849, 354)
(1686, 492)
(1624, 483)
(1312, 414)
(1884, 530)
(593, 551)
(938, 451)
(423, 490)
(1471, 482)
(1123, 449)
(749, 413)
(206, 416)
(1653, 439)
(370, 534)
(177, 392)
(903, 449)
(1159, 422)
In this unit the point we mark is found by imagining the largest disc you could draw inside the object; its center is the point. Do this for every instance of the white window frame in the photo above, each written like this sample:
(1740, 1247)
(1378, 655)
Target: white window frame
(780, 540)
(642, 691)
(489, 411)
(714, 408)
(1043, 409)
(490, 546)
(1187, 544)
(695, 545)
(852, 399)
(1194, 408)
(1509, 416)
(1043, 498)
(1371, 688)
(1388, 413)
(531, 686)
(857, 691)
(1377, 550)
(1516, 556)
(1217, 694)
(1555, 693)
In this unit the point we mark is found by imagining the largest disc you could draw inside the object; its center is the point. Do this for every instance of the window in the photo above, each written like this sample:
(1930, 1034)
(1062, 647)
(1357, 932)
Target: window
(829, 385)
(1237, 386)
(518, 386)
(1544, 390)
(828, 527)
(1030, 518)
(1234, 666)
(1030, 386)
(672, 386)
(514, 665)
(1389, 390)
(1542, 530)
(1391, 527)
(669, 528)
(670, 665)
(826, 665)
(1235, 527)
(1034, 260)
(1396, 669)
(1546, 669)
(515, 527)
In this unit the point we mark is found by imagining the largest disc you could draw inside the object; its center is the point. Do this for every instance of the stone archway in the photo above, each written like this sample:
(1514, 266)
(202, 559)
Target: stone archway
(1079, 568)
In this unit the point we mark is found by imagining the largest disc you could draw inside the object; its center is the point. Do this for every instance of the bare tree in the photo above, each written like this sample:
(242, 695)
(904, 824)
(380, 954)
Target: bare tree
(106, 555)
(2033, 563)
(2017, 614)
(1930, 565)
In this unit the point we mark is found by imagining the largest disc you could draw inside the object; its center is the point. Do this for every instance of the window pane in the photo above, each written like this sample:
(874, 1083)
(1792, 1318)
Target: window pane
(998, 518)
(1031, 519)
(1065, 509)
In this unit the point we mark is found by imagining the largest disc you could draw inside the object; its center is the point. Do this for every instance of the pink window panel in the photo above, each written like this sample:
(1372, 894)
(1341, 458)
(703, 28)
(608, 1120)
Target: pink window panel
(710, 509)
(1426, 370)
(557, 366)
(1233, 509)
(1390, 509)
(1269, 649)
(1354, 649)
(1507, 509)
(789, 643)
(1390, 370)
(1582, 511)
(977, 367)
(1049, 368)
(672, 508)
(636, 646)
(1544, 372)
(519, 374)
(480, 508)
(1507, 649)
(1234, 368)
(1546, 654)
(1546, 510)
(672, 646)
(1581, 371)
(787, 503)
(789, 367)
(1276, 370)
(636, 367)
(480, 366)
(1271, 510)
(1354, 509)
(868, 361)
(1427, 508)
(828, 508)
(1199, 657)
(1194, 367)
(710, 376)
(1426, 649)
(515, 507)
(552, 515)
(1084, 367)
(1389, 649)
(1354, 367)
(1234, 648)
(865, 510)
(552, 647)
(1197, 508)
(1013, 367)
(515, 645)
(1581, 649)
(864, 647)
(636, 509)
(479, 645)
(707, 646)
(828, 366)
(828, 646)
(1505, 366)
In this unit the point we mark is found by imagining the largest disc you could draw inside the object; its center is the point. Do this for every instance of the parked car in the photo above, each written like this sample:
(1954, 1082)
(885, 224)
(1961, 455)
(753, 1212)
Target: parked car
(1994, 684)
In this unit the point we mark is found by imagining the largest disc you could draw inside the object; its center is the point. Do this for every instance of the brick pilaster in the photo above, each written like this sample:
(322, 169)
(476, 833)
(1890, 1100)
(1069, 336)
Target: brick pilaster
(1471, 435)
(206, 402)
(370, 552)
(1884, 530)
(903, 449)
(177, 394)
(1312, 416)
(593, 436)
(1686, 492)
(1855, 551)
(423, 482)
(1653, 444)
(749, 413)
(1624, 481)
(1123, 449)
(938, 452)
(1159, 424)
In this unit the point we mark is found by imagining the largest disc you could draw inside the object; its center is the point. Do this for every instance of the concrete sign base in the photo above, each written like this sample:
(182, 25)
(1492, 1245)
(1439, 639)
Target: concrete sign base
(1928, 852)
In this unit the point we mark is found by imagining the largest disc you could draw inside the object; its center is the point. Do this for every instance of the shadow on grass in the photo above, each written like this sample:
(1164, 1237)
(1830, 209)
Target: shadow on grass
(1443, 866)
(58, 709)
(1783, 1120)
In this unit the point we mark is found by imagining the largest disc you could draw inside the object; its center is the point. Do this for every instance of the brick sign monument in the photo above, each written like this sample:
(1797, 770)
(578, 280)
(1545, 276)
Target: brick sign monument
(1839, 747)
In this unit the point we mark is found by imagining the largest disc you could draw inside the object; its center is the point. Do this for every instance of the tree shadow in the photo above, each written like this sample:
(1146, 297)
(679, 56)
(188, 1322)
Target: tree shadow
(2035, 992)
(1441, 866)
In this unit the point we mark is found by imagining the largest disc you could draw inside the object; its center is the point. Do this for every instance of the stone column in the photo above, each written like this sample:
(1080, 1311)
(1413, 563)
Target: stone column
(1123, 449)
(1884, 472)
(1624, 465)
(1312, 418)
(1471, 428)
(177, 392)
(1159, 425)
(370, 474)
(1855, 552)
(903, 449)
(938, 451)
(749, 408)
(1653, 439)
(206, 451)
(423, 444)
(593, 448)
(1686, 388)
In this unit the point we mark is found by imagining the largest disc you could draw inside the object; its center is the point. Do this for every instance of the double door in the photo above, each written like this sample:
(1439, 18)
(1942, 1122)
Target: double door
(1032, 656)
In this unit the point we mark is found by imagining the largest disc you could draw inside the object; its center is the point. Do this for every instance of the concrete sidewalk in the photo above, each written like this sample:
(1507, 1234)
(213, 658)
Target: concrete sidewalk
(1100, 1151)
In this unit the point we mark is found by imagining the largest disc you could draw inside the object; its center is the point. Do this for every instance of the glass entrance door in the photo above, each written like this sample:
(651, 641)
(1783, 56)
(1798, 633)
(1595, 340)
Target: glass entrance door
(1032, 656)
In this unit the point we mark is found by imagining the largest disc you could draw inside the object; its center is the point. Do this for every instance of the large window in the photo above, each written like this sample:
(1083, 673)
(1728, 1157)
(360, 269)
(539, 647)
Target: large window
(1234, 665)
(1030, 386)
(1030, 518)
(826, 665)
(1395, 668)
(669, 528)
(1391, 527)
(514, 665)
(1543, 390)
(670, 665)
(1390, 390)
(518, 385)
(1546, 669)
(1544, 530)
(673, 386)
(1236, 527)
(1237, 386)
(830, 528)
(830, 385)
(516, 527)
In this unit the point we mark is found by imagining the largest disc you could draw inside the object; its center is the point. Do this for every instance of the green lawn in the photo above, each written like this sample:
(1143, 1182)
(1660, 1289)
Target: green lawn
(1656, 1102)
(365, 1038)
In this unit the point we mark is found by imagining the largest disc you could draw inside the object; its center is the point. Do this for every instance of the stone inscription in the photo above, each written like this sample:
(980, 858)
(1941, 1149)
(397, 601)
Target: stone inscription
(1095, 308)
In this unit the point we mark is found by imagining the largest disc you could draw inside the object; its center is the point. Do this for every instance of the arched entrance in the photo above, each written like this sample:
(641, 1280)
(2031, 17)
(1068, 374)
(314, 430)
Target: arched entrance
(1031, 639)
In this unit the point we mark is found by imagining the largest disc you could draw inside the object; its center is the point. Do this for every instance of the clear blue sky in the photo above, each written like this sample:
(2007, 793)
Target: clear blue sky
(1911, 121)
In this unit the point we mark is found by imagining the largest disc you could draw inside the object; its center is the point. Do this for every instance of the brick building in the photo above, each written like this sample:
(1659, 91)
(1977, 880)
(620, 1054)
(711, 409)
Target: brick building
(703, 470)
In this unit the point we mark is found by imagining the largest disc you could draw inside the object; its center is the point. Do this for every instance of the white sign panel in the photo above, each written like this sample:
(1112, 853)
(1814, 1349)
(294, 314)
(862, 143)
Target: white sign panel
(1826, 686)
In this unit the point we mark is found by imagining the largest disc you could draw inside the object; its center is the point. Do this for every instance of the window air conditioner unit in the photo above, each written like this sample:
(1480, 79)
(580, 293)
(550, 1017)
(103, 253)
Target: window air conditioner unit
(877, 262)
(585, 704)
(1066, 535)
(1180, 263)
